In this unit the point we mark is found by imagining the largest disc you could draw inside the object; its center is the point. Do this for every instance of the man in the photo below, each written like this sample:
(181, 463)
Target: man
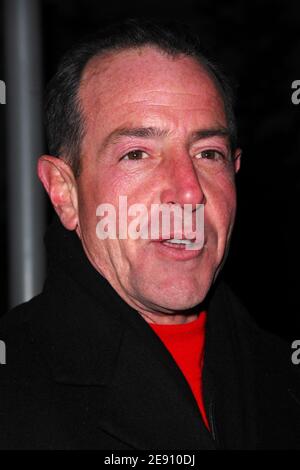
(134, 343)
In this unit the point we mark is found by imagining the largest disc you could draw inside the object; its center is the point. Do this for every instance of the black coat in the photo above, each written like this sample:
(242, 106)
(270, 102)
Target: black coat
(85, 371)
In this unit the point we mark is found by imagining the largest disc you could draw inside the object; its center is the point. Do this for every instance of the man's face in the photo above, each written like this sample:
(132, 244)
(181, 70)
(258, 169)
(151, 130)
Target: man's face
(122, 94)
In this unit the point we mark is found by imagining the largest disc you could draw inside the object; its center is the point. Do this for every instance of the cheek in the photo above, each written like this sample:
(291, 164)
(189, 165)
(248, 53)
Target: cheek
(137, 188)
(113, 182)
(106, 189)
(220, 203)
(95, 190)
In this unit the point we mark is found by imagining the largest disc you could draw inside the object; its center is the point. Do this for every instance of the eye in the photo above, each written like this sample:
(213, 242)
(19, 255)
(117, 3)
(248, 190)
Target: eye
(211, 154)
(135, 155)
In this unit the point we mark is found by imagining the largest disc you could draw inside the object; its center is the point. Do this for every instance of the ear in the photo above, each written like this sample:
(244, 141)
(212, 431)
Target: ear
(59, 182)
(237, 159)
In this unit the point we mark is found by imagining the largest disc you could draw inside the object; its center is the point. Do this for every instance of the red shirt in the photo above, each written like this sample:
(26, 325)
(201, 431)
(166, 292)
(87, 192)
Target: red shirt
(185, 342)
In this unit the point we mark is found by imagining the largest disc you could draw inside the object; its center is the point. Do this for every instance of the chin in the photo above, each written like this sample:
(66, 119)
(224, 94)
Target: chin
(178, 300)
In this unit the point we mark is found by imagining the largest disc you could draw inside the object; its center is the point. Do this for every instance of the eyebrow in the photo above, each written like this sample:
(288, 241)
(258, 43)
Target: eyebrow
(143, 132)
(213, 132)
(155, 132)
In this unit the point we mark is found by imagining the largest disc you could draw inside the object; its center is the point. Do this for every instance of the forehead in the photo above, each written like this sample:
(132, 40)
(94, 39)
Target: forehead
(143, 79)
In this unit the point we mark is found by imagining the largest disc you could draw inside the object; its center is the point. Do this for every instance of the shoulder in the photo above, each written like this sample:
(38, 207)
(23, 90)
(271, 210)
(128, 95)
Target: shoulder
(276, 376)
(268, 376)
(265, 347)
(22, 357)
(269, 357)
(26, 384)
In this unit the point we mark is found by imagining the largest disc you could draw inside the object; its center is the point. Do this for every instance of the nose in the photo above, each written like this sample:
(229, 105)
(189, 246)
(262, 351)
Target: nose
(181, 184)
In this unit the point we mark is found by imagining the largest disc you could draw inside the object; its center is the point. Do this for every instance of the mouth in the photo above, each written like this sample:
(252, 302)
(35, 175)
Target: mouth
(179, 249)
(180, 244)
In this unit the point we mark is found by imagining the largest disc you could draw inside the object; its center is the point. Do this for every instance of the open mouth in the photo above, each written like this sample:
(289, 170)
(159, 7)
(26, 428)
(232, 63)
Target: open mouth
(181, 249)
(179, 243)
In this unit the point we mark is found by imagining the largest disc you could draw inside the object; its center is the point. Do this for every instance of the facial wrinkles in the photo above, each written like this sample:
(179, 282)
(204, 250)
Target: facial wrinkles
(145, 183)
(179, 105)
(160, 103)
(179, 126)
(108, 79)
(178, 120)
(164, 97)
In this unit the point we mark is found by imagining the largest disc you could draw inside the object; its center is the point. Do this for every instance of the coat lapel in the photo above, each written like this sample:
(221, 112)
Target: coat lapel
(150, 405)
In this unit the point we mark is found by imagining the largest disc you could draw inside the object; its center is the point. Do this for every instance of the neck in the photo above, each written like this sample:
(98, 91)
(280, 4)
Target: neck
(168, 319)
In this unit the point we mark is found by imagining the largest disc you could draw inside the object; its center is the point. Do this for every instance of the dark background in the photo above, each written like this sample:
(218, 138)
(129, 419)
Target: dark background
(259, 44)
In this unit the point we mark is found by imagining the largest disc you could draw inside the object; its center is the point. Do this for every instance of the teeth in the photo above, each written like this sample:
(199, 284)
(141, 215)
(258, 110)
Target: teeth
(177, 240)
